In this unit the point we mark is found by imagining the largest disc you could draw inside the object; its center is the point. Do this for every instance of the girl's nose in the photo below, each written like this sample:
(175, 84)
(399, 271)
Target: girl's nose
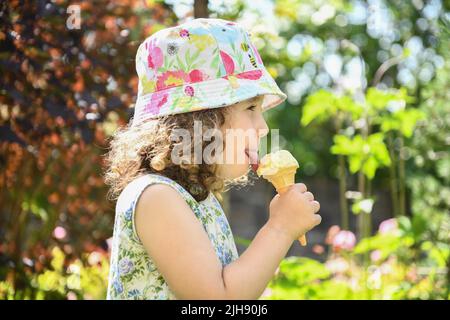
(262, 127)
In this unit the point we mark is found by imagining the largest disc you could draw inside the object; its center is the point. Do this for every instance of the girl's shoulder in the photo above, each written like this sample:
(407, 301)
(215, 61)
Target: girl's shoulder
(135, 188)
(130, 195)
(149, 178)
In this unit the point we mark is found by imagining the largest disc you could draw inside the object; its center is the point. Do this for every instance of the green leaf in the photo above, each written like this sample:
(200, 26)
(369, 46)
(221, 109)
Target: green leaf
(440, 254)
(408, 120)
(58, 259)
(320, 105)
(378, 241)
(187, 58)
(378, 99)
(346, 104)
(342, 145)
(303, 270)
(215, 62)
(355, 163)
(369, 168)
(181, 64)
(196, 54)
(419, 226)
(404, 224)
(367, 154)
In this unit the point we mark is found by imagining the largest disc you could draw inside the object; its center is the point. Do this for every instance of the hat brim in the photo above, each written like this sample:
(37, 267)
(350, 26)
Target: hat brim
(210, 94)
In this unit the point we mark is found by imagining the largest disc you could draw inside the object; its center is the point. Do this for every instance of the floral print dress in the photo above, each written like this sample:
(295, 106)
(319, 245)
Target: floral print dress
(133, 274)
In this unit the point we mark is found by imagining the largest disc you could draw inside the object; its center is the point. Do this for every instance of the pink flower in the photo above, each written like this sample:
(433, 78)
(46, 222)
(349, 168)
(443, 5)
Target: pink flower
(94, 258)
(59, 233)
(71, 295)
(189, 91)
(337, 265)
(157, 101)
(344, 240)
(375, 255)
(155, 55)
(388, 226)
(411, 275)
(318, 249)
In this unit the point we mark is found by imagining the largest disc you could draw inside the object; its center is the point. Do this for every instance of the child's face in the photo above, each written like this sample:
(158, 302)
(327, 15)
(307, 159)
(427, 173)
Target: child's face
(248, 126)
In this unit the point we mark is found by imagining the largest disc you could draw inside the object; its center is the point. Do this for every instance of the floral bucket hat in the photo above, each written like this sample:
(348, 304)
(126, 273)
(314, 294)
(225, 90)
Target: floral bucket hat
(201, 64)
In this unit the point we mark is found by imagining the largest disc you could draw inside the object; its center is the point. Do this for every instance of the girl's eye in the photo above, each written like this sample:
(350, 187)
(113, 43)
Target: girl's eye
(252, 108)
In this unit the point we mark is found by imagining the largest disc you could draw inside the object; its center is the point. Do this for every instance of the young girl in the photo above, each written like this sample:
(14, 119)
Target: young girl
(171, 237)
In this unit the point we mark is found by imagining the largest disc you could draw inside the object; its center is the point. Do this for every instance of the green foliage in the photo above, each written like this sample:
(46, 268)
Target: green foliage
(430, 170)
(322, 105)
(63, 92)
(380, 99)
(363, 154)
(403, 121)
(51, 164)
(303, 270)
(402, 266)
(78, 279)
(389, 110)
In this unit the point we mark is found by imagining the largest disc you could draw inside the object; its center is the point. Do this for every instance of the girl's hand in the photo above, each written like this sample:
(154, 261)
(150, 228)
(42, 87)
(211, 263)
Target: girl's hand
(294, 212)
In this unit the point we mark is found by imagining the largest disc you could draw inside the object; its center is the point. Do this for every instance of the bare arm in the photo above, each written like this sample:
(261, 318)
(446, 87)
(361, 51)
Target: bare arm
(291, 215)
(184, 255)
(248, 276)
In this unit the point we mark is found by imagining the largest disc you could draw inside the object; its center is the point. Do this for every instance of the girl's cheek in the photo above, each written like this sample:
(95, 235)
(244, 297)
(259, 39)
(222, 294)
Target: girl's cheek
(239, 119)
(243, 121)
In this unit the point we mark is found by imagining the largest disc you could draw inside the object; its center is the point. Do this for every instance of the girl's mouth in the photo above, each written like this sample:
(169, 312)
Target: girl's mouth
(253, 157)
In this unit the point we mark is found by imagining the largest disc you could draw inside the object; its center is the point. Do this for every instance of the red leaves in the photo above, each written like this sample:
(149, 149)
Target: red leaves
(78, 86)
(53, 78)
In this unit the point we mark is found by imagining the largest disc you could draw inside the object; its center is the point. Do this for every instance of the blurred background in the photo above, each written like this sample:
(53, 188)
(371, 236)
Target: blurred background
(367, 117)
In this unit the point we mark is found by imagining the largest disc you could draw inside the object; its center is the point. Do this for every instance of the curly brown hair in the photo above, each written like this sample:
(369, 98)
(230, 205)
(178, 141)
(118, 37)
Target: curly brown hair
(147, 148)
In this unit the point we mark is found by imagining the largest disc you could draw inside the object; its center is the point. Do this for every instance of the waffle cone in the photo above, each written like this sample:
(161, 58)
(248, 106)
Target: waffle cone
(281, 180)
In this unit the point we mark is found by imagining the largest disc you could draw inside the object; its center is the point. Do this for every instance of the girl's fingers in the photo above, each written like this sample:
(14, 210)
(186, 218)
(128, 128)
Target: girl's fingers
(300, 187)
(316, 205)
(309, 195)
(318, 219)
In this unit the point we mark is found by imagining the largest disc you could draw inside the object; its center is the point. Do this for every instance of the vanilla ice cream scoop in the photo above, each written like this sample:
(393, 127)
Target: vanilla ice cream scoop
(274, 162)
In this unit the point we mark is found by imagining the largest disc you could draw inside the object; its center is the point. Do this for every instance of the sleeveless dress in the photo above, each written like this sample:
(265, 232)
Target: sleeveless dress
(133, 274)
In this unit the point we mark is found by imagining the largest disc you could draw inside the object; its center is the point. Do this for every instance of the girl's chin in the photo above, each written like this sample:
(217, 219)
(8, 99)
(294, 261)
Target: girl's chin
(243, 169)
(234, 171)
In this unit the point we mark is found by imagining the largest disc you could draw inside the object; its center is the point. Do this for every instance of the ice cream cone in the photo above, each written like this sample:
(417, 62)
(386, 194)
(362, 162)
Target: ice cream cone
(283, 179)
(281, 176)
